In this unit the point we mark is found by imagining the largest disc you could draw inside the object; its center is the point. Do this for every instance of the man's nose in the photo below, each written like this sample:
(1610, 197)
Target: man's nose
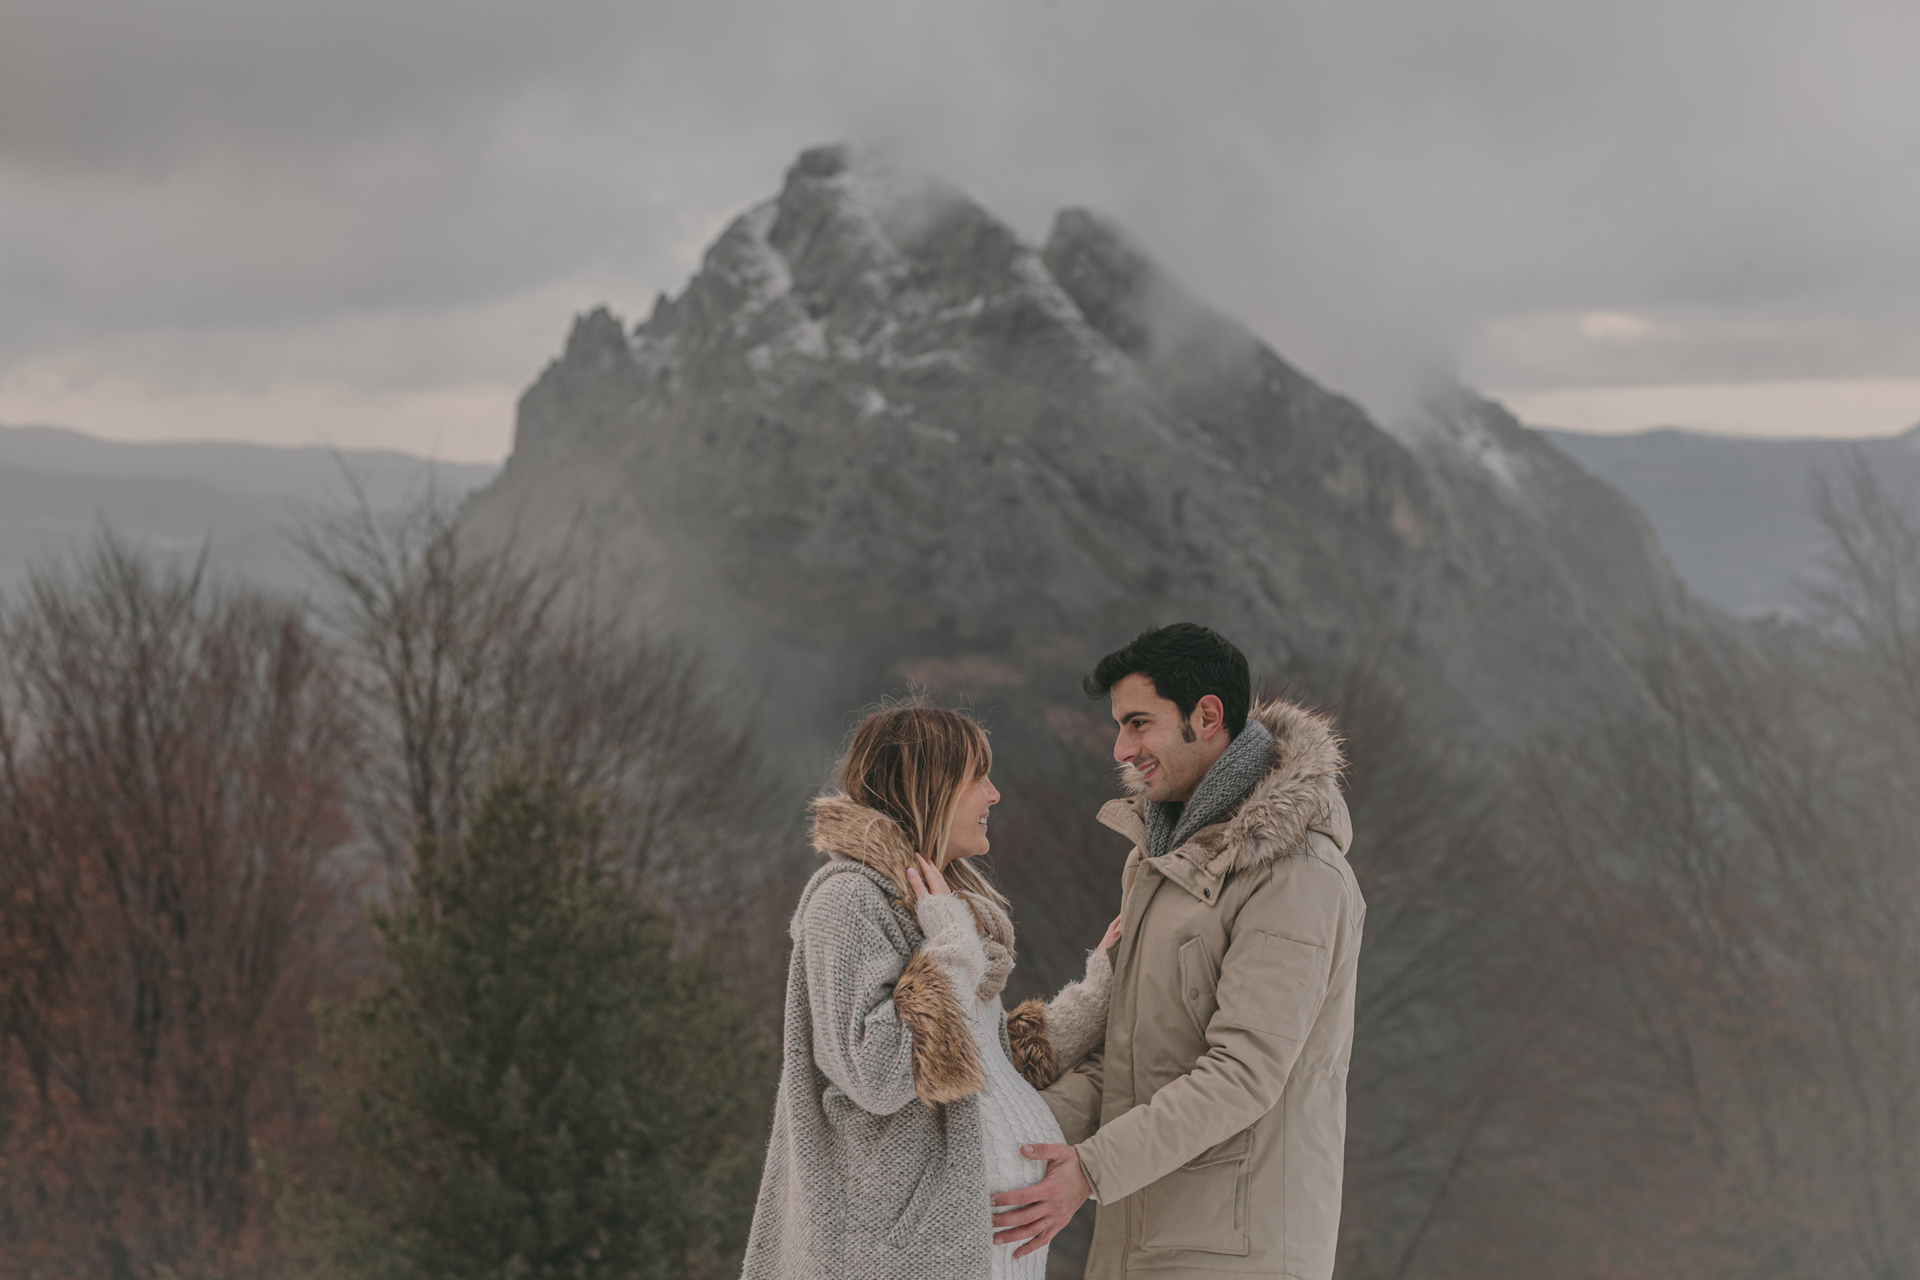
(1124, 751)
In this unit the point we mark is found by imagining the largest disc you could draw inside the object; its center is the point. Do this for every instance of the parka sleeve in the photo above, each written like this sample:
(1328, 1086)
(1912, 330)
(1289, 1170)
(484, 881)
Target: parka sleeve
(884, 1030)
(1074, 1098)
(1273, 981)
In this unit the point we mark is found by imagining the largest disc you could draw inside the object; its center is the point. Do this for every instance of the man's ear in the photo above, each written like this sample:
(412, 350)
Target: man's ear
(1210, 715)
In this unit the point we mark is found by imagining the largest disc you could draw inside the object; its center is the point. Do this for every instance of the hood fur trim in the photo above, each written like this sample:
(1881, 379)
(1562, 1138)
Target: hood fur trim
(1299, 793)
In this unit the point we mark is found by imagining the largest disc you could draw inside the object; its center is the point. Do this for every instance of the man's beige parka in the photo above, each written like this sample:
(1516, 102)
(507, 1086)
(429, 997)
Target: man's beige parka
(1213, 1124)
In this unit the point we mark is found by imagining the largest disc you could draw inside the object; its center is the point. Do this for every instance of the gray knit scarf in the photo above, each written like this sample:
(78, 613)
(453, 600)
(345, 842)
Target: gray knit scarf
(1233, 776)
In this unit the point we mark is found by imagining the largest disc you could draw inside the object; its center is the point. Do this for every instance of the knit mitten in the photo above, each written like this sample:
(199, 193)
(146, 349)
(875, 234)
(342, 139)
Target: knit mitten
(1077, 1017)
(1050, 1039)
(953, 942)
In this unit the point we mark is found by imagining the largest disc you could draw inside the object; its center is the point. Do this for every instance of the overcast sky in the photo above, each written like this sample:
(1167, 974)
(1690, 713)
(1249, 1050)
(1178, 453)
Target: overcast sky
(369, 221)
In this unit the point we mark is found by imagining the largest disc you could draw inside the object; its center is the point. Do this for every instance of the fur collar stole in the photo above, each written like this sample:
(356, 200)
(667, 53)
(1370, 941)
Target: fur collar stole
(843, 829)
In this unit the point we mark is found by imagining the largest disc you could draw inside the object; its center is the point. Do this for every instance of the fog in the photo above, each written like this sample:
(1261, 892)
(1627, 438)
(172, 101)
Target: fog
(1636, 993)
(369, 224)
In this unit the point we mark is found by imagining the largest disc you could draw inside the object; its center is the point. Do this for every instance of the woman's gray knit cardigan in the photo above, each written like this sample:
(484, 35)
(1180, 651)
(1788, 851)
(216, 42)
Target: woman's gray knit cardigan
(874, 1169)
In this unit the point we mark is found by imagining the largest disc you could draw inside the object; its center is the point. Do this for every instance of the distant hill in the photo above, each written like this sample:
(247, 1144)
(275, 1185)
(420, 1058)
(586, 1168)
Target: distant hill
(1734, 515)
(57, 486)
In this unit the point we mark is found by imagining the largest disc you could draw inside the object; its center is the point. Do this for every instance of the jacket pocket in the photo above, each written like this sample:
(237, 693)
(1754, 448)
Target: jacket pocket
(1202, 1205)
(1279, 985)
(1199, 983)
(932, 1185)
(894, 1168)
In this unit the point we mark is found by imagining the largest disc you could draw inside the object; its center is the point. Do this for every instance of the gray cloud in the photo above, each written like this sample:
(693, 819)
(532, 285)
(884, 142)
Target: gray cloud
(1373, 186)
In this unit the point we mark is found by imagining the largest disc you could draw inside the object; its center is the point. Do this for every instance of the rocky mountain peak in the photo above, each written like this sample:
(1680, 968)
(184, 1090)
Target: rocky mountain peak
(859, 264)
(876, 428)
(1125, 295)
(1112, 283)
(596, 340)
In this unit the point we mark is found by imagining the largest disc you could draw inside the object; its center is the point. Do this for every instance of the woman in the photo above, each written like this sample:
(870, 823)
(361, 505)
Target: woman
(900, 1108)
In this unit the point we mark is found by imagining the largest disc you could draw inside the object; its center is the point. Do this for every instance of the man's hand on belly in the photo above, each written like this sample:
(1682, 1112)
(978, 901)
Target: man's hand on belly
(1037, 1213)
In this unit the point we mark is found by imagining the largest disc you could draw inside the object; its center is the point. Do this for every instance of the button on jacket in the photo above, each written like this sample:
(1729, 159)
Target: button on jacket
(1213, 1124)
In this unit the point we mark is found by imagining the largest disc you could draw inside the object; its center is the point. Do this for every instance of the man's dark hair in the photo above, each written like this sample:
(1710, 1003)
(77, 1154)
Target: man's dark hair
(1186, 662)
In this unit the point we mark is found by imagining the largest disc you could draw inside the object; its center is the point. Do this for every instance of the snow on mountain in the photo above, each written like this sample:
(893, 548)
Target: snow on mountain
(877, 431)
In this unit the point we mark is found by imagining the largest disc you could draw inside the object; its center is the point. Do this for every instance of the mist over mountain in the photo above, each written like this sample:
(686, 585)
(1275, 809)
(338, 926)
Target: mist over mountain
(58, 487)
(1736, 515)
(878, 439)
(1629, 904)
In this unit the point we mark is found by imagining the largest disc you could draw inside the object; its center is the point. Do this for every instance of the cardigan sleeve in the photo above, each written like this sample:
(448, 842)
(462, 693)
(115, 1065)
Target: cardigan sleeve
(885, 1030)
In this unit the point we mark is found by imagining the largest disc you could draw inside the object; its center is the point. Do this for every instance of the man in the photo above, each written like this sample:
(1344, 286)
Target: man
(1211, 1127)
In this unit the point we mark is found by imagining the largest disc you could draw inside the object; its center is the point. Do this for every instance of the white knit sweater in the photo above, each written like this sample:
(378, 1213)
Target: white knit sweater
(1012, 1114)
(1011, 1111)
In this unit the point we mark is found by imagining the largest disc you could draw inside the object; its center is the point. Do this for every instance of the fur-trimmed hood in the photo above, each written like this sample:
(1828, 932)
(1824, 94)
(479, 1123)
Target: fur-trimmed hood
(1300, 793)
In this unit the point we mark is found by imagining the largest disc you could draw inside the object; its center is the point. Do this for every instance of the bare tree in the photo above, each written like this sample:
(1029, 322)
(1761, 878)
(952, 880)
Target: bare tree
(459, 651)
(1871, 589)
(172, 811)
(1746, 1045)
(1440, 1011)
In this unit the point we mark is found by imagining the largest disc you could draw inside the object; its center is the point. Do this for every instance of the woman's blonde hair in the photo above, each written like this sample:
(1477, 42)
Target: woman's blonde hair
(912, 762)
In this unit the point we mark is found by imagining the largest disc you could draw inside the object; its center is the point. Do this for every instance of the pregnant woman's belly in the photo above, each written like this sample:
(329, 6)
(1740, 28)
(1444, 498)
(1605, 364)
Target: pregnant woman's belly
(1012, 1112)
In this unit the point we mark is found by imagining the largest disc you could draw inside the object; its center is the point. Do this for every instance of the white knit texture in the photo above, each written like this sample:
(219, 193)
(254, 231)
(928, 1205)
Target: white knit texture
(1012, 1114)
(1077, 1017)
(952, 941)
